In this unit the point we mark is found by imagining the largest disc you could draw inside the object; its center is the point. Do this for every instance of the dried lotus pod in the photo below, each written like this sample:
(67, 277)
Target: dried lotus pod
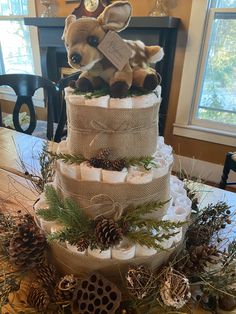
(97, 295)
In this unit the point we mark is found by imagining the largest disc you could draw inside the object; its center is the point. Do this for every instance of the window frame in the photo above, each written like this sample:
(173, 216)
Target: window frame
(186, 123)
(6, 93)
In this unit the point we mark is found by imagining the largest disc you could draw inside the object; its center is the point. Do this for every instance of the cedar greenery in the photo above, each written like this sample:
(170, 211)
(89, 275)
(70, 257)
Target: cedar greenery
(78, 226)
(147, 161)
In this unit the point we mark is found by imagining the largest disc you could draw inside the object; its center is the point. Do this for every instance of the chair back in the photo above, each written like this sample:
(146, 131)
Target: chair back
(61, 84)
(25, 86)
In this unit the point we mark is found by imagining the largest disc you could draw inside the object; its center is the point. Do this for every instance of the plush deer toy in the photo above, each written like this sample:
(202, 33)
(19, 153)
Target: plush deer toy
(82, 37)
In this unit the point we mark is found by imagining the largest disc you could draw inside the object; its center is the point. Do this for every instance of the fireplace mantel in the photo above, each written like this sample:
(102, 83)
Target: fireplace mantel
(151, 30)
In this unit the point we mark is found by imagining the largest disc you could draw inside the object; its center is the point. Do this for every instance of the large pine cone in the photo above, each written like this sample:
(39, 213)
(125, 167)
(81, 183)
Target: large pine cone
(108, 233)
(199, 257)
(46, 275)
(198, 235)
(38, 298)
(27, 245)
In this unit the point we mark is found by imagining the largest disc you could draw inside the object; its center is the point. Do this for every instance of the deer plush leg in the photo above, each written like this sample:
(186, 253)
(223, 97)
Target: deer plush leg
(145, 79)
(121, 82)
(85, 82)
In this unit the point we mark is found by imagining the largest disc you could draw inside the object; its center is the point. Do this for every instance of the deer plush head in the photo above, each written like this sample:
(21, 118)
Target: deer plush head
(82, 37)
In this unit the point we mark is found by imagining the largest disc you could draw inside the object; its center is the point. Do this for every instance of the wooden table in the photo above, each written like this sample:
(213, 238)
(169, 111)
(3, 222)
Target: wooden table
(16, 191)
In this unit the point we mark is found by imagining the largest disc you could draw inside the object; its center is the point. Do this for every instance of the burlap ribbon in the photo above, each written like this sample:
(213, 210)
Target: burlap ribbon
(100, 198)
(69, 262)
(130, 133)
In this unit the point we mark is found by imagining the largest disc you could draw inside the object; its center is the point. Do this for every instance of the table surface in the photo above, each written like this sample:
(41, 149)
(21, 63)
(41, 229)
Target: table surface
(16, 192)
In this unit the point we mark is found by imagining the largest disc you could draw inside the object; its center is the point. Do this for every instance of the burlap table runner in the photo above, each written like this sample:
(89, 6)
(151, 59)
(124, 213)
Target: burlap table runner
(127, 132)
(100, 198)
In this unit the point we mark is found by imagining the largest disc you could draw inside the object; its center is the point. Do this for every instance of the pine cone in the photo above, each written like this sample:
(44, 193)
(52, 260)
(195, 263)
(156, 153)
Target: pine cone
(103, 153)
(82, 245)
(46, 275)
(27, 245)
(106, 164)
(38, 298)
(95, 162)
(197, 235)
(107, 232)
(119, 165)
(199, 257)
(65, 288)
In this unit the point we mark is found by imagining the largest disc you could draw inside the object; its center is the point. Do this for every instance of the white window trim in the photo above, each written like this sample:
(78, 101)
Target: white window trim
(183, 125)
(5, 93)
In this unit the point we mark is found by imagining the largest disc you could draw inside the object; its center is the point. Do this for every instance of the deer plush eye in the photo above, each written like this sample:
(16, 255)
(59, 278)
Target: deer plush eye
(93, 41)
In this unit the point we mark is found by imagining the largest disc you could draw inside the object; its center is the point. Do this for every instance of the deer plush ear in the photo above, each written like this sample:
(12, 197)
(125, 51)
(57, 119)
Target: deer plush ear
(116, 16)
(70, 19)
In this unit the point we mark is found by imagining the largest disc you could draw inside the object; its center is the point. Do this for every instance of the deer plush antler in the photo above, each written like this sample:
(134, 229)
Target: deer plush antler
(82, 38)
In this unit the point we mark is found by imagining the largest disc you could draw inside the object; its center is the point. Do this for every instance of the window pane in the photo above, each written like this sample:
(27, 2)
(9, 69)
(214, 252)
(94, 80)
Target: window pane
(15, 48)
(218, 96)
(225, 4)
(14, 7)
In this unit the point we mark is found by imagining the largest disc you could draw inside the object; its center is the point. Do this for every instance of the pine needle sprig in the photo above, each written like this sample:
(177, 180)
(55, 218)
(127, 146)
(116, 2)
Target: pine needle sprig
(137, 212)
(147, 162)
(68, 158)
(47, 167)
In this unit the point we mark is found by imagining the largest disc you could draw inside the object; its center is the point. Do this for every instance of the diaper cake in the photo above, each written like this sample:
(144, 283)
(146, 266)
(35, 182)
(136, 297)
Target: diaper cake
(113, 207)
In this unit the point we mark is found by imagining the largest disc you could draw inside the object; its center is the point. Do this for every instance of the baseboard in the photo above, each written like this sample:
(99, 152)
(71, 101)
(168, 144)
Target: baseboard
(204, 170)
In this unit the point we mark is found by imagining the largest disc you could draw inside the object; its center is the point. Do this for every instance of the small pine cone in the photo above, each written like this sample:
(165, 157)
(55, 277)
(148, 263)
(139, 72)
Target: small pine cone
(104, 153)
(65, 288)
(95, 162)
(119, 165)
(107, 232)
(38, 298)
(106, 164)
(46, 275)
(27, 245)
(82, 245)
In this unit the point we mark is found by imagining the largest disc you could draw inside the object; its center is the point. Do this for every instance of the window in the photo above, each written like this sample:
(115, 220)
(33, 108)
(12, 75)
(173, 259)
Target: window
(15, 46)
(19, 49)
(207, 102)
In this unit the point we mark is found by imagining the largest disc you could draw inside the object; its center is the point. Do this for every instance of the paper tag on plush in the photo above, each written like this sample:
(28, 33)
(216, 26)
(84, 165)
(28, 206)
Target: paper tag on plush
(115, 50)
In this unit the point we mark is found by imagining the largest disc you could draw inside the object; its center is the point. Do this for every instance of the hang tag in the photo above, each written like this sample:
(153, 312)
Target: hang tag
(115, 50)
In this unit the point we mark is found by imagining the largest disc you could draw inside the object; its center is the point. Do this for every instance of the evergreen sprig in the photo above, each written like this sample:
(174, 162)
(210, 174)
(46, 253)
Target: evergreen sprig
(146, 161)
(133, 223)
(68, 158)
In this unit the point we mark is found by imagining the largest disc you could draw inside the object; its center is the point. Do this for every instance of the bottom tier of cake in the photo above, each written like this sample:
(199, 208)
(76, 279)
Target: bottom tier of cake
(114, 260)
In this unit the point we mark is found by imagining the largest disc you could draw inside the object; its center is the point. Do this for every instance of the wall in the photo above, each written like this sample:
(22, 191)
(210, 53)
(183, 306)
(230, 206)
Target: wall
(182, 146)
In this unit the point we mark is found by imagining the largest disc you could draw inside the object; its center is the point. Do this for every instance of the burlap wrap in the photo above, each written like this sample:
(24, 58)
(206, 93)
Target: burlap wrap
(127, 132)
(100, 198)
(69, 262)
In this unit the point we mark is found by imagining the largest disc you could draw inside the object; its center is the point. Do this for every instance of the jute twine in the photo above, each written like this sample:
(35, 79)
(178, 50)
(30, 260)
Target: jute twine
(127, 132)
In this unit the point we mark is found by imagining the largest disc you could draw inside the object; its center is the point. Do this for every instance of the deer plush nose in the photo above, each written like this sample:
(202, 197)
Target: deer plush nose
(76, 58)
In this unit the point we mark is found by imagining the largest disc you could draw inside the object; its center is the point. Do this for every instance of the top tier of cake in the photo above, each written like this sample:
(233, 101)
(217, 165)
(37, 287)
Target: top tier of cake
(129, 126)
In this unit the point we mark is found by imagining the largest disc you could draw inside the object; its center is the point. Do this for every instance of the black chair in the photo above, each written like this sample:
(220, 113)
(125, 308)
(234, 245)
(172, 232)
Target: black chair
(230, 164)
(25, 86)
(63, 83)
